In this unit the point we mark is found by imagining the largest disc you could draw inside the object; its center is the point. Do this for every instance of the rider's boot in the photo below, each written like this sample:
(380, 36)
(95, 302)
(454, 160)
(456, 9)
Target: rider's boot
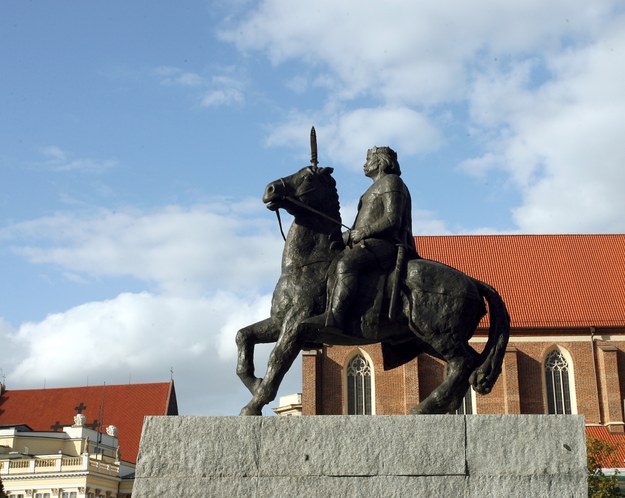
(343, 291)
(335, 315)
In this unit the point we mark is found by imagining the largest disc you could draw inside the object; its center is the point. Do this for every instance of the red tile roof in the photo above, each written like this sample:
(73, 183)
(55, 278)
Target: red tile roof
(617, 459)
(121, 405)
(545, 280)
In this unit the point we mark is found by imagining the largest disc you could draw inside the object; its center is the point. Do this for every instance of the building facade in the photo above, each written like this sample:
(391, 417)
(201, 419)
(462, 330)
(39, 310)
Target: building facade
(289, 406)
(76, 442)
(74, 462)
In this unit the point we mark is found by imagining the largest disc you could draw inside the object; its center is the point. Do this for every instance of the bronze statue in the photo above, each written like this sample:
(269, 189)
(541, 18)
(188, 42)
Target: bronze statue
(380, 236)
(368, 286)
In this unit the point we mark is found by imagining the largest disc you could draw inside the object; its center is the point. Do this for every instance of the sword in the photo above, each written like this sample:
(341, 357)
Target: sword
(393, 309)
(313, 148)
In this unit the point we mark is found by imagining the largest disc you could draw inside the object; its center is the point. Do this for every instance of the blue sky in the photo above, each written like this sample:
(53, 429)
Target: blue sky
(136, 139)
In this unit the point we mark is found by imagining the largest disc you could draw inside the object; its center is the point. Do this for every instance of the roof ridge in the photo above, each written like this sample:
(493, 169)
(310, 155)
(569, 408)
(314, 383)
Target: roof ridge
(96, 386)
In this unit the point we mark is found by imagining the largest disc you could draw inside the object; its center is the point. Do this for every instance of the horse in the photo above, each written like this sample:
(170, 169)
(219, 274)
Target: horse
(438, 311)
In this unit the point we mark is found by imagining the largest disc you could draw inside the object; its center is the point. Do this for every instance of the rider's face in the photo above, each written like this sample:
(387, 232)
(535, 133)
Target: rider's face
(371, 166)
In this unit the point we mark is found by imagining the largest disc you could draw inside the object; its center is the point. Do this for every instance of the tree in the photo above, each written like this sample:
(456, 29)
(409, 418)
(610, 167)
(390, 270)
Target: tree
(600, 454)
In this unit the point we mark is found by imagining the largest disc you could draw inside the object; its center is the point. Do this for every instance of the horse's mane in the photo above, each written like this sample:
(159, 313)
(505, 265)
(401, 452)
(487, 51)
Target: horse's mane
(333, 204)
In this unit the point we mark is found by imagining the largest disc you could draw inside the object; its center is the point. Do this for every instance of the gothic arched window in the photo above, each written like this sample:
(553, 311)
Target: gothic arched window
(359, 386)
(558, 383)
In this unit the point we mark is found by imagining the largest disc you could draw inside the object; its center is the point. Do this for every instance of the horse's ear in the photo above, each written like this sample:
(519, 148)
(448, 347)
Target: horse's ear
(326, 170)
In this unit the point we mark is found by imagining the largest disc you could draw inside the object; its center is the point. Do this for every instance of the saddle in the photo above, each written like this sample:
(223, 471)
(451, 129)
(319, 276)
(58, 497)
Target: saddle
(377, 299)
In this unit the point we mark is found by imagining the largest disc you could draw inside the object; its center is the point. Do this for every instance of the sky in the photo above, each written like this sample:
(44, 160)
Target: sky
(136, 139)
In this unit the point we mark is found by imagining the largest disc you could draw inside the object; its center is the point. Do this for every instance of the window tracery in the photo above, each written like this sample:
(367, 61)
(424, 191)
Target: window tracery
(359, 386)
(558, 383)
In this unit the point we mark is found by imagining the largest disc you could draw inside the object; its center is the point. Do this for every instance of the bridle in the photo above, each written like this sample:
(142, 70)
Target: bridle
(296, 200)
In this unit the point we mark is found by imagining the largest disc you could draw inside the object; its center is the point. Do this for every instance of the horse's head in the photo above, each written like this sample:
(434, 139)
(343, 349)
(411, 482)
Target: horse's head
(312, 189)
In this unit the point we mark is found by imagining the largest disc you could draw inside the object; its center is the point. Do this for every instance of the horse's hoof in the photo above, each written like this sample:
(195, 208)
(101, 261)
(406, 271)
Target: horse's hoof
(419, 410)
(250, 411)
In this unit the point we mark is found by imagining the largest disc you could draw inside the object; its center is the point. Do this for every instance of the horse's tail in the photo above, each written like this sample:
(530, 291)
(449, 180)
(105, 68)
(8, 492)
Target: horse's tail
(484, 376)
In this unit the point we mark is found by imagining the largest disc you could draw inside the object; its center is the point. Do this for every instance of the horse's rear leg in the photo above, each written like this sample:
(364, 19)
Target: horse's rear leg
(257, 333)
(281, 358)
(448, 396)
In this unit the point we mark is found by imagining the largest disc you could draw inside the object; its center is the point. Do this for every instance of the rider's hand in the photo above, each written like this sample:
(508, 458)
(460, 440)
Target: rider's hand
(357, 234)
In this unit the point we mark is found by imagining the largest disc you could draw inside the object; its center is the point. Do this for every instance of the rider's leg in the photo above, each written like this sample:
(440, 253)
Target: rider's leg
(354, 260)
(344, 289)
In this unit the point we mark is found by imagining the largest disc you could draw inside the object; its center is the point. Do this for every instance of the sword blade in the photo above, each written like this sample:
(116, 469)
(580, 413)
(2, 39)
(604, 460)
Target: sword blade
(313, 147)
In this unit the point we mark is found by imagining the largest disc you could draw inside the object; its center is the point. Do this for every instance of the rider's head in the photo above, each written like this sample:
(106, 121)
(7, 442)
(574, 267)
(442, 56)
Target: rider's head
(386, 158)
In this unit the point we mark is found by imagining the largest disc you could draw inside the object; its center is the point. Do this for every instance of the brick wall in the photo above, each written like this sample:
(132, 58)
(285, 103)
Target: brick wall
(597, 370)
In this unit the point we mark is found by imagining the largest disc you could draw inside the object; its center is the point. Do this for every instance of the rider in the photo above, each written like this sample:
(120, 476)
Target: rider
(382, 225)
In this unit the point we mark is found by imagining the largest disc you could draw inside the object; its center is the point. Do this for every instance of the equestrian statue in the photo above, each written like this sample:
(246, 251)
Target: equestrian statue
(369, 285)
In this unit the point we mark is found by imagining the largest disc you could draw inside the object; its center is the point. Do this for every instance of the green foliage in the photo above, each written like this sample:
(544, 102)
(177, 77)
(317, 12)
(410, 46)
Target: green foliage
(601, 454)
(2, 493)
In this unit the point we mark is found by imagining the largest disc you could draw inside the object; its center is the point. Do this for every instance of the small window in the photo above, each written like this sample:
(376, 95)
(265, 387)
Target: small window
(359, 386)
(558, 384)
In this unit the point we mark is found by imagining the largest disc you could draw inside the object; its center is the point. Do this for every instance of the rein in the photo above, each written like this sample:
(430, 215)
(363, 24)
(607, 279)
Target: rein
(280, 224)
(301, 204)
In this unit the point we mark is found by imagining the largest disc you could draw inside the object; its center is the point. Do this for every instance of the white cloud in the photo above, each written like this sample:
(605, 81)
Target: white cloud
(426, 223)
(224, 87)
(180, 250)
(407, 51)
(347, 135)
(561, 142)
(224, 96)
(173, 76)
(138, 337)
(480, 166)
(212, 269)
(543, 84)
(54, 153)
(61, 160)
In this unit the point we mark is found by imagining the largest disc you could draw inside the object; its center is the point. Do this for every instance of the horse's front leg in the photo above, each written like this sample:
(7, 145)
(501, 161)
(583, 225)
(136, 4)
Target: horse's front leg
(281, 358)
(257, 333)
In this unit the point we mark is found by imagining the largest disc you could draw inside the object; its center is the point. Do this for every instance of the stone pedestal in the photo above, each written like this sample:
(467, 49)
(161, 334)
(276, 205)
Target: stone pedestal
(355, 456)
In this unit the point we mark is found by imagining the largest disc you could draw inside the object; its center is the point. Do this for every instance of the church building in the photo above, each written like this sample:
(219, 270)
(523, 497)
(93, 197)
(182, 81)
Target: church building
(566, 298)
